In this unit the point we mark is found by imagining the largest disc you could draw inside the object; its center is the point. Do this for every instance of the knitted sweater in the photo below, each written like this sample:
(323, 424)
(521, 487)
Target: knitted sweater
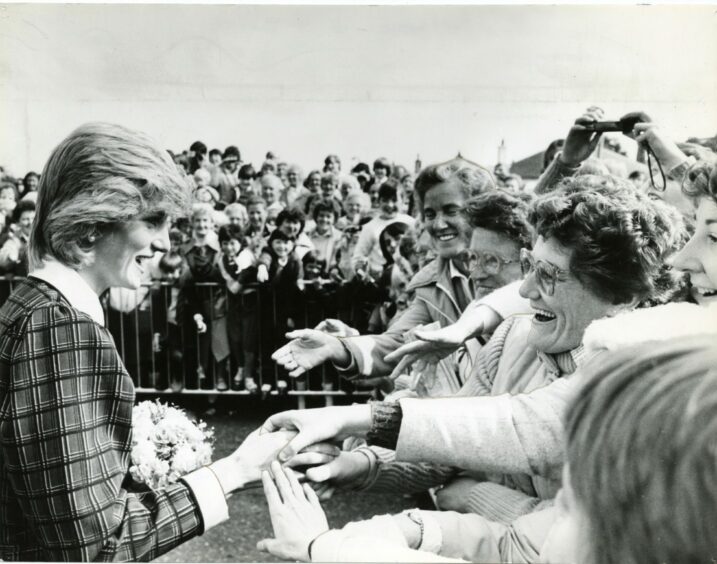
(504, 366)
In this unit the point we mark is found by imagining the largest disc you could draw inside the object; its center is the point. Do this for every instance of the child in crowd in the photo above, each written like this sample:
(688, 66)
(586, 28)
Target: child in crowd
(169, 335)
(319, 291)
(325, 237)
(282, 287)
(314, 271)
(231, 240)
(368, 247)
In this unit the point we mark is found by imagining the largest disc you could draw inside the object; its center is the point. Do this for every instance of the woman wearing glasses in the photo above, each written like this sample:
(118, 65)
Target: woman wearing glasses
(600, 250)
(500, 229)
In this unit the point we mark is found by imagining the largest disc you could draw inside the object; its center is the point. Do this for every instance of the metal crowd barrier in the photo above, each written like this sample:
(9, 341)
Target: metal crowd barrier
(162, 349)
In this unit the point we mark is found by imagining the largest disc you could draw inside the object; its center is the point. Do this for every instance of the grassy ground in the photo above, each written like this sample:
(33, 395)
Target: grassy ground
(235, 540)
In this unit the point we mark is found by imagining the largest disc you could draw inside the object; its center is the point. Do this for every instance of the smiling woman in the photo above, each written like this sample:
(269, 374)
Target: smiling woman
(104, 199)
(601, 248)
(442, 287)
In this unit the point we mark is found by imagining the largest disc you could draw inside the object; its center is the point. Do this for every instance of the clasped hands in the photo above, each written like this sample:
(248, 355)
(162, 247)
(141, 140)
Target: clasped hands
(300, 441)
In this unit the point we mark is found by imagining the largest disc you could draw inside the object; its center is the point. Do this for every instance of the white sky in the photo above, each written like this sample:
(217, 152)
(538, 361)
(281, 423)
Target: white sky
(360, 81)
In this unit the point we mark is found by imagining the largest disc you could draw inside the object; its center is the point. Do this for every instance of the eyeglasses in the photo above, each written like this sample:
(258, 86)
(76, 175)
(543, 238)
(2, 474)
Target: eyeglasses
(490, 263)
(546, 274)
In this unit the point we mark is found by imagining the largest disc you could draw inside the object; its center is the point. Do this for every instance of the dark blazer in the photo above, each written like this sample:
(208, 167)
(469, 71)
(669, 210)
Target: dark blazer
(65, 437)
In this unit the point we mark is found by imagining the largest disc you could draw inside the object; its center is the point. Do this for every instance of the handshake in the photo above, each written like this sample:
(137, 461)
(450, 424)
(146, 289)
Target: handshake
(301, 439)
(305, 441)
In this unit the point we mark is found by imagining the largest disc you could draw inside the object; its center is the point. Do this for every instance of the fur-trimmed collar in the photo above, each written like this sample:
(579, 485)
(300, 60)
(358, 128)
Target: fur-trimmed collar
(661, 323)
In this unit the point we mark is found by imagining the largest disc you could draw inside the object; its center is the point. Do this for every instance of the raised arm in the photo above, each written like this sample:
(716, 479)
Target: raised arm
(579, 145)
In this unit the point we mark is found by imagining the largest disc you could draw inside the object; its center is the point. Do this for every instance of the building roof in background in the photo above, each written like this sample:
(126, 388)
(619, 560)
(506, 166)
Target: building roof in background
(531, 167)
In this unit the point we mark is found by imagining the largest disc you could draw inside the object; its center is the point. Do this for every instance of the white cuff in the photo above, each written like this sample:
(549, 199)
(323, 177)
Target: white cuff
(432, 535)
(209, 495)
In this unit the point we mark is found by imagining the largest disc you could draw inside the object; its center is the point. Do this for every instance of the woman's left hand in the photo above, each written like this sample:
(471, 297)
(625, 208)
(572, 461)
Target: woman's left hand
(296, 515)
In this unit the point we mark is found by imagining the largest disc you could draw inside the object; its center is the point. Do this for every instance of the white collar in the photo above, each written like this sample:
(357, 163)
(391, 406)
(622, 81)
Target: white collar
(453, 271)
(71, 285)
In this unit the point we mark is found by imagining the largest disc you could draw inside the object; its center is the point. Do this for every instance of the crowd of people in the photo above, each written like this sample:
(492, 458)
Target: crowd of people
(606, 344)
(543, 359)
(261, 253)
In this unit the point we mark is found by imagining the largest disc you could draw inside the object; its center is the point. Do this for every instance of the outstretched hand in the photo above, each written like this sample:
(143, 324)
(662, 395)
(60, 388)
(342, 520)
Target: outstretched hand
(431, 347)
(296, 515)
(307, 349)
(581, 142)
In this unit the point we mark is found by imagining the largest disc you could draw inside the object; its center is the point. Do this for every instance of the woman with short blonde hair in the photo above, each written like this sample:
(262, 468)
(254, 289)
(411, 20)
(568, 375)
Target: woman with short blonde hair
(100, 176)
(104, 201)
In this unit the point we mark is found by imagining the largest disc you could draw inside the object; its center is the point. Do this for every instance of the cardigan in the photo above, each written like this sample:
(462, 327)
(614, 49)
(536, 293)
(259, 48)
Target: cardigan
(508, 488)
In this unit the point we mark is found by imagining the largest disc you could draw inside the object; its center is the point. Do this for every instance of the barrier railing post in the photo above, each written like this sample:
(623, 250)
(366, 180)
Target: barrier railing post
(300, 399)
(328, 398)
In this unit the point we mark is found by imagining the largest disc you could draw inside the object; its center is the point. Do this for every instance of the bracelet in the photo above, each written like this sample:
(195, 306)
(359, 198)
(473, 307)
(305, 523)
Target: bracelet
(415, 516)
(218, 480)
(311, 544)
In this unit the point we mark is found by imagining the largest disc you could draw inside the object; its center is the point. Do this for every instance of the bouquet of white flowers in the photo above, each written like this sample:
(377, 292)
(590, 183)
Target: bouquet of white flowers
(166, 444)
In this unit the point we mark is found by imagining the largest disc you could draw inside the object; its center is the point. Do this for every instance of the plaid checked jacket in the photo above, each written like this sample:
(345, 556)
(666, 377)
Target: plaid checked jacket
(65, 434)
